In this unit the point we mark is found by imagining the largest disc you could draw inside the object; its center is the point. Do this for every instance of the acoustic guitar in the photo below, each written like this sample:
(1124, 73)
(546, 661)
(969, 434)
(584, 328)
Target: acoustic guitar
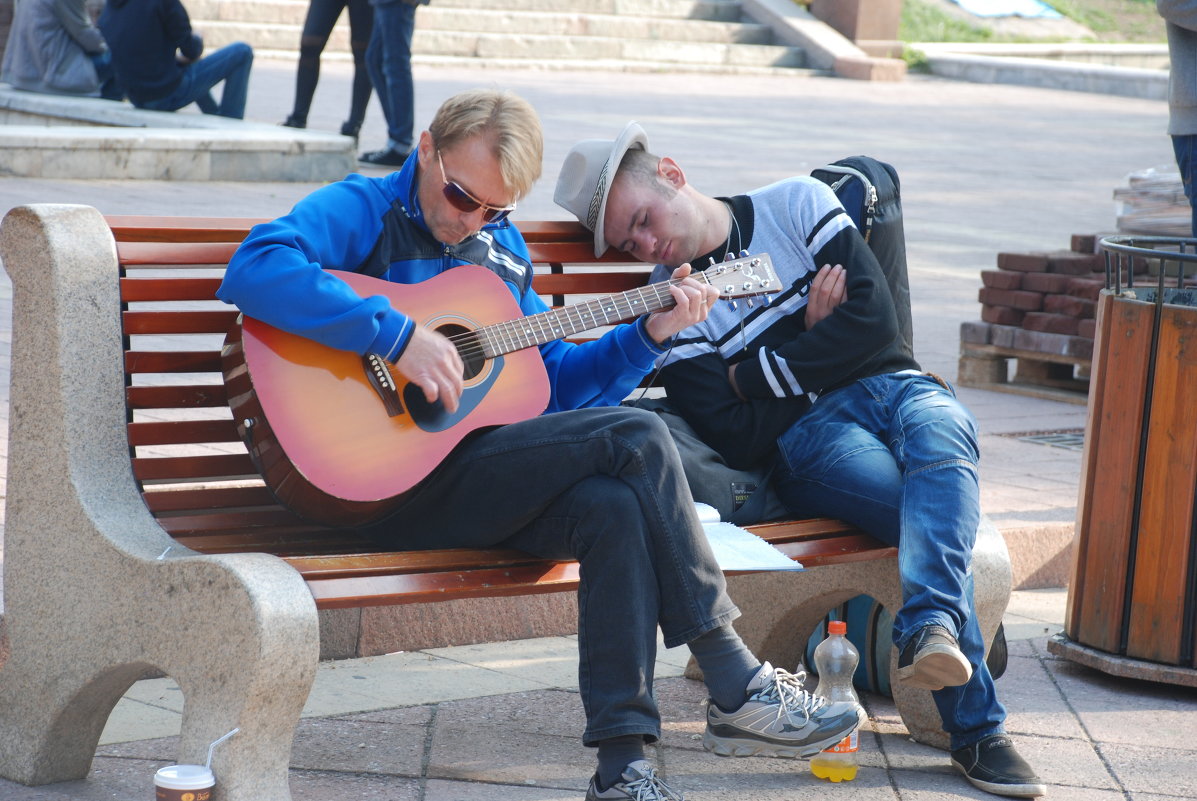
(341, 438)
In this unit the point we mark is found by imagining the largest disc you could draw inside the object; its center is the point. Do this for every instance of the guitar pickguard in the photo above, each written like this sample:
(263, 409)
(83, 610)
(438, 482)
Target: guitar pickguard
(433, 418)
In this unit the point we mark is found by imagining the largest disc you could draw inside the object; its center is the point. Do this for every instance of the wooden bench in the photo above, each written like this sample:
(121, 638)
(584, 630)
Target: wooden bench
(140, 537)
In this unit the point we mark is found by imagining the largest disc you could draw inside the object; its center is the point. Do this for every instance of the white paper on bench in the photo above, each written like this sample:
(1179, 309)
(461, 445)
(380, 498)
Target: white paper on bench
(738, 549)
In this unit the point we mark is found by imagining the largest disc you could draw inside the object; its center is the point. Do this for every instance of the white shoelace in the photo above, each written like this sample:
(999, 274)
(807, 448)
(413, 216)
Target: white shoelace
(650, 788)
(787, 689)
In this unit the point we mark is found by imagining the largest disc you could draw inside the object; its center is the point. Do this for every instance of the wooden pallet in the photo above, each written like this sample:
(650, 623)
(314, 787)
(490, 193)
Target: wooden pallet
(1039, 375)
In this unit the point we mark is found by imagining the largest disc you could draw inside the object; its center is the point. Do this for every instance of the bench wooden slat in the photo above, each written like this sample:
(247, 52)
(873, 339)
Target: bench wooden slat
(196, 396)
(194, 468)
(586, 284)
(178, 322)
(162, 502)
(146, 228)
(133, 254)
(232, 525)
(576, 252)
(172, 361)
(184, 432)
(135, 290)
(398, 562)
(343, 593)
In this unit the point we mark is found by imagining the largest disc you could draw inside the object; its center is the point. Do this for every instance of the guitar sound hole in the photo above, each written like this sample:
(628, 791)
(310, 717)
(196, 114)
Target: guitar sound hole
(468, 348)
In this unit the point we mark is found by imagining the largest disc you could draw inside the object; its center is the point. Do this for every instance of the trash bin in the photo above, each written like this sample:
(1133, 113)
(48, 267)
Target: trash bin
(1132, 601)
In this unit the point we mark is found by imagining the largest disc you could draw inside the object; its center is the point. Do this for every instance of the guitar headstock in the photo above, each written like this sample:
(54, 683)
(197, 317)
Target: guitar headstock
(743, 277)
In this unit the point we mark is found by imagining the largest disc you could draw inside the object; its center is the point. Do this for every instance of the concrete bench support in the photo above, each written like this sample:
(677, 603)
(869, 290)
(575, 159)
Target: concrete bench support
(782, 609)
(91, 602)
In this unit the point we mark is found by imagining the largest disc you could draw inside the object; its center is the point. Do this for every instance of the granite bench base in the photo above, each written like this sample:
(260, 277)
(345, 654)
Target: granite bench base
(66, 137)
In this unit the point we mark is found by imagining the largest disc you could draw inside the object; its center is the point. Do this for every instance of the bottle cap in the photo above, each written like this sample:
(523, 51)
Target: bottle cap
(837, 627)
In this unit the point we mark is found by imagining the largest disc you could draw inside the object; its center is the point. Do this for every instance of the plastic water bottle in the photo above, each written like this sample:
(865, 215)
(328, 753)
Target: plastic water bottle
(835, 659)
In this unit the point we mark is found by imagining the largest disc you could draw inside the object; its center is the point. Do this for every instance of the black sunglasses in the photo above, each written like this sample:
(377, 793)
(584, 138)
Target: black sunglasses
(465, 202)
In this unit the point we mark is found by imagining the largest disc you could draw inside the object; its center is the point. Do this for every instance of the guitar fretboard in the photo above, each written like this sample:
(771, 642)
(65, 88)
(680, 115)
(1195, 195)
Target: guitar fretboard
(537, 329)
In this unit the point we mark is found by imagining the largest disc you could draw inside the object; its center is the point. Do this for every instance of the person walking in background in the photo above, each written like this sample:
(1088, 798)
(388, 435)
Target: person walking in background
(156, 56)
(53, 47)
(389, 60)
(322, 16)
(1180, 17)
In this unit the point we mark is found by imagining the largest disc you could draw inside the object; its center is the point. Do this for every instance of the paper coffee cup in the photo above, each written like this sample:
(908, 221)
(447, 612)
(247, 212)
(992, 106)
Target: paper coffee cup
(183, 783)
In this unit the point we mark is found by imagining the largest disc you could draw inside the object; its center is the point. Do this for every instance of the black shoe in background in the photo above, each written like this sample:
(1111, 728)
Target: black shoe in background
(387, 157)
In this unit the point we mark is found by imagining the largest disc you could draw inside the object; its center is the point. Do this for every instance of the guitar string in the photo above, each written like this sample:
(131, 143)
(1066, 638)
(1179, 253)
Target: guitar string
(469, 343)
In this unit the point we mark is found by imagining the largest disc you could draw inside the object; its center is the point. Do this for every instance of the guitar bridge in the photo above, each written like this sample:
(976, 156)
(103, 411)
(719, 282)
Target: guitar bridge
(378, 373)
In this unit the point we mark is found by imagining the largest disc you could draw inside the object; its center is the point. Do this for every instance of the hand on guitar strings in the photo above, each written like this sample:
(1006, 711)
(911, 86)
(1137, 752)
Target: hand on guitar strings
(692, 302)
(432, 363)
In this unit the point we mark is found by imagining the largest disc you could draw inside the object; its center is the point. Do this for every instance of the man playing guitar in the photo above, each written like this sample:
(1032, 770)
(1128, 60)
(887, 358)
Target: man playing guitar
(586, 480)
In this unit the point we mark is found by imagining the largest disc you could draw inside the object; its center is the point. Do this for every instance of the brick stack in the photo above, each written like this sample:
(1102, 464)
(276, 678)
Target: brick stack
(1037, 308)
(1041, 302)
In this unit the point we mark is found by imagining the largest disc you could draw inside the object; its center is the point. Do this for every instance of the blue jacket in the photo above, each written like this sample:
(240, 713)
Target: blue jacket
(143, 36)
(284, 274)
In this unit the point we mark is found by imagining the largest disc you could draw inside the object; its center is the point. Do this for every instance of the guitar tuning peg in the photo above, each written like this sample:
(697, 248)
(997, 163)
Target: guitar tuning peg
(751, 305)
(711, 259)
(730, 256)
(744, 253)
(731, 304)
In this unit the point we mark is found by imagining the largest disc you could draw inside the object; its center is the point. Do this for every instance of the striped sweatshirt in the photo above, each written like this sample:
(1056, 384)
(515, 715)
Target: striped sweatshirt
(782, 365)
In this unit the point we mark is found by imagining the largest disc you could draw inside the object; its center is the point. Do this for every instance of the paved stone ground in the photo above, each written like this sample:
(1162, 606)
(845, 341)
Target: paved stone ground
(985, 169)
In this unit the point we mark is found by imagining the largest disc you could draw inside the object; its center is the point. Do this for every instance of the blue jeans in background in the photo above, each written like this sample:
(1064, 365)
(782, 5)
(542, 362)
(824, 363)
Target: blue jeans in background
(897, 456)
(388, 58)
(230, 64)
(110, 87)
(1185, 147)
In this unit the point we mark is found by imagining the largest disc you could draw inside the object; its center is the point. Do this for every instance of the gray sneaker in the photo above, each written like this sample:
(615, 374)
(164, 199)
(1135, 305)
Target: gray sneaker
(780, 719)
(639, 783)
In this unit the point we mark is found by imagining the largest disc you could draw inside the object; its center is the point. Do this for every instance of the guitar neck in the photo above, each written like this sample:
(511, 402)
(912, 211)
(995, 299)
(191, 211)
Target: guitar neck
(538, 329)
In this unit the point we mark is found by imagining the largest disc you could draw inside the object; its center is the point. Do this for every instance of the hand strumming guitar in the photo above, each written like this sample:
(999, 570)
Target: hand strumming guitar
(432, 363)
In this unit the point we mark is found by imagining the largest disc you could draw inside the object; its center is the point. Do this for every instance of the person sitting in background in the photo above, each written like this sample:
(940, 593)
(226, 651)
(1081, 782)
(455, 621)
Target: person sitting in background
(317, 26)
(53, 47)
(156, 56)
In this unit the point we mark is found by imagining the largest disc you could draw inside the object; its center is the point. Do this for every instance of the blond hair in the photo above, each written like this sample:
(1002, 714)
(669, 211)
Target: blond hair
(506, 120)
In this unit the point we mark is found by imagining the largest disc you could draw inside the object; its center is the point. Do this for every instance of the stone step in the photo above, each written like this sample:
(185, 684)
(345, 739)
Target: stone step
(691, 35)
(292, 12)
(274, 35)
(473, 44)
(616, 65)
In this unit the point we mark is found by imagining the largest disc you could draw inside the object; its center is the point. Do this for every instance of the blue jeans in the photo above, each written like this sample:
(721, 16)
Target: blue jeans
(230, 64)
(1186, 159)
(388, 59)
(110, 88)
(603, 486)
(897, 456)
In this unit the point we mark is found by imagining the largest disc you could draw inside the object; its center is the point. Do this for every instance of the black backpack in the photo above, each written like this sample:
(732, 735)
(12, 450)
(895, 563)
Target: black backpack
(870, 192)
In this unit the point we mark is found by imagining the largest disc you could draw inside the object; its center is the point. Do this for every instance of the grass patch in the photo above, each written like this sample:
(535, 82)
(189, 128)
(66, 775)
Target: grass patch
(923, 22)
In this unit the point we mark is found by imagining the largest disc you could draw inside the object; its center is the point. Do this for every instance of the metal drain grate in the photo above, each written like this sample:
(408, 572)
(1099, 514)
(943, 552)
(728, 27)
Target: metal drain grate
(1073, 440)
